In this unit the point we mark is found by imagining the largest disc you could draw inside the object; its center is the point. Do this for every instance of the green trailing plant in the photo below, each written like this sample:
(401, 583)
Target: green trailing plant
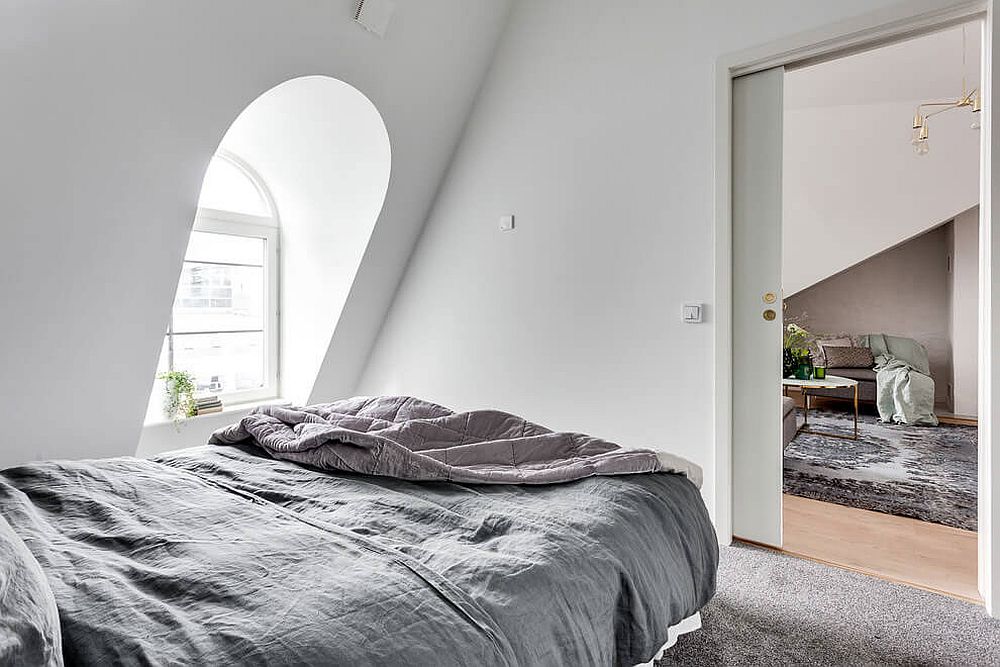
(178, 396)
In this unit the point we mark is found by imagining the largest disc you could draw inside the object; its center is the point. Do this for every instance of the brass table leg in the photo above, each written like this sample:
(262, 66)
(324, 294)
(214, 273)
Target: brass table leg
(805, 399)
(805, 422)
(855, 411)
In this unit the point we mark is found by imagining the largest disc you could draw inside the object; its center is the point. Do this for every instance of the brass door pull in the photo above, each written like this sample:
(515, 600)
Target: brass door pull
(769, 315)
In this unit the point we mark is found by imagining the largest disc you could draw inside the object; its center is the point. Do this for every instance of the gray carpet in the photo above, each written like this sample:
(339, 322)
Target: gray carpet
(772, 609)
(922, 472)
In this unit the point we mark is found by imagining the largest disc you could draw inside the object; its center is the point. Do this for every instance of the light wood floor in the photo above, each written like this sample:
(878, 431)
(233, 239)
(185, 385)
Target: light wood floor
(926, 555)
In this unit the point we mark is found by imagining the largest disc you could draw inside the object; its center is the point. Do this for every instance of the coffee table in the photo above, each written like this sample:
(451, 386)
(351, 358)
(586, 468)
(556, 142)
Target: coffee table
(830, 382)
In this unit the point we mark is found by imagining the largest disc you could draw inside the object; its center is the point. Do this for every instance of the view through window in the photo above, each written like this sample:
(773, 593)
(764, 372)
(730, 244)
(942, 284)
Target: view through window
(223, 327)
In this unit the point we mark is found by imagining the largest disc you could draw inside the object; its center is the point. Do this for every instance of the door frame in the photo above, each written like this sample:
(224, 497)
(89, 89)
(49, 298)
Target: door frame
(854, 35)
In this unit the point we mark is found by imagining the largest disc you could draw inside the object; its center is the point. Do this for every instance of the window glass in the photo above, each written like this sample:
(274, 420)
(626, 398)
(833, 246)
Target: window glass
(217, 327)
(225, 248)
(228, 188)
(214, 297)
(222, 363)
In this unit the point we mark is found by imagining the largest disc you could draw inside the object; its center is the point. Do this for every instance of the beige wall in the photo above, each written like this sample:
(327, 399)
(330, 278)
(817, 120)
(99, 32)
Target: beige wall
(903, 291)
(965, 312)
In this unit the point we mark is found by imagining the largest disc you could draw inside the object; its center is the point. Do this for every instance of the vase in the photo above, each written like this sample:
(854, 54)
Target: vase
(803, 371)
(789, 363)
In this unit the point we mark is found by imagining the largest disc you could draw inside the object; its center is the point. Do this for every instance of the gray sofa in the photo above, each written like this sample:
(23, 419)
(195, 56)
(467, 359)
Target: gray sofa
(866, 384)
(789, 427)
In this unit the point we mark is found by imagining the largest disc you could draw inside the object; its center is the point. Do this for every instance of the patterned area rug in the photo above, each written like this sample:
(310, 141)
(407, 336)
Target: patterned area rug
(923, 472)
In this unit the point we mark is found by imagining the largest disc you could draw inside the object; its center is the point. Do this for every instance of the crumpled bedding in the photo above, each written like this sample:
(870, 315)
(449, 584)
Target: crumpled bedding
(408, 438)
(29, 619)
(224, 556)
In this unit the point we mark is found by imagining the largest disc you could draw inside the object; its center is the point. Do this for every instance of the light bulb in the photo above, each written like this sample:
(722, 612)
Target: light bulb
(923, 148)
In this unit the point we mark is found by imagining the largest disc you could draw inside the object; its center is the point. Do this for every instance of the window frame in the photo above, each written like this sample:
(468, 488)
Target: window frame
(229, 223)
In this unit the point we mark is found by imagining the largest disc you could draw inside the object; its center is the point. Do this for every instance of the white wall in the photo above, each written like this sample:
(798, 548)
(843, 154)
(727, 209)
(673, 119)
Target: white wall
(965, 313)
(596, 128)
(854, 187)
(321, 147)
(111, 112)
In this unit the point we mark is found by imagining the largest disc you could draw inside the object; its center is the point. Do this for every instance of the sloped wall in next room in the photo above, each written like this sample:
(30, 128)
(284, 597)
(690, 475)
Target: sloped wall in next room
(904, 291)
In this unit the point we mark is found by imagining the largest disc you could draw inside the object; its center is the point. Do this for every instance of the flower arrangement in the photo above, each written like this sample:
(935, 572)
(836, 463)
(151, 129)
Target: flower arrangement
(797, 359)
(796, 337)
(178, 397)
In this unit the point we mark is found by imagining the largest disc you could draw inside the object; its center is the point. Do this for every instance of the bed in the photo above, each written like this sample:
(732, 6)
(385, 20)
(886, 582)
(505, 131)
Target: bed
(229, 554)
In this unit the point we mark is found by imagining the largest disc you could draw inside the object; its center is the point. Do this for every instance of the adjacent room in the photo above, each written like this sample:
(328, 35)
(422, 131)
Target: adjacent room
(880, 277)
(499, 332)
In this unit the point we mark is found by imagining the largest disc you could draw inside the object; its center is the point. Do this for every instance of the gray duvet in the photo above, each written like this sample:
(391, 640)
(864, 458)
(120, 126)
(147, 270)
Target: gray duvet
(222, 555)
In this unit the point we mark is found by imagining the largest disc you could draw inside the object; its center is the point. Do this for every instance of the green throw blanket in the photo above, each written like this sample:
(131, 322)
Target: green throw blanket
(904, 388)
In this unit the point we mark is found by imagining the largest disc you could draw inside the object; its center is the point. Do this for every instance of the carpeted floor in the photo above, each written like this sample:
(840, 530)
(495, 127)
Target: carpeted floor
(922, 472)
(772, 609)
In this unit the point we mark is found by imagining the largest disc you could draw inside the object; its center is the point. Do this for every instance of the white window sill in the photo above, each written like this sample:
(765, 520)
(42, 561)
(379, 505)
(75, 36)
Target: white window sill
(230, 409)
(162, 436)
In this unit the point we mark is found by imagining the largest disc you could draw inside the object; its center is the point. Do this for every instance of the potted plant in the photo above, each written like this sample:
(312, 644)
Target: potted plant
(178, 396)
(795, 354)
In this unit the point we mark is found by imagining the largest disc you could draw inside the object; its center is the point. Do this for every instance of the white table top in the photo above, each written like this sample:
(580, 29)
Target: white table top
(831, 382)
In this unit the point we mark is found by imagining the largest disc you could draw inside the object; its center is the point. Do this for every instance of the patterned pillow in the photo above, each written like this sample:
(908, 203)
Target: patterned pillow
(848, 357)
(816, 346)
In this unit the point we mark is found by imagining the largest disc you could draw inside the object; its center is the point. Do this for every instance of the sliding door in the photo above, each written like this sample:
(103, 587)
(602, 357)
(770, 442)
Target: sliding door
(757, 451)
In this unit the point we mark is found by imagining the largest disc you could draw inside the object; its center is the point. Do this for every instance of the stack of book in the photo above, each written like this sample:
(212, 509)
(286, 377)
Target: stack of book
(206, 405)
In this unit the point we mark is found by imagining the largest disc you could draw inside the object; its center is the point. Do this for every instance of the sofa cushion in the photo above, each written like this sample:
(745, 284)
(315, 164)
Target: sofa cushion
(816, 347)
(859, 374)
(848, 357)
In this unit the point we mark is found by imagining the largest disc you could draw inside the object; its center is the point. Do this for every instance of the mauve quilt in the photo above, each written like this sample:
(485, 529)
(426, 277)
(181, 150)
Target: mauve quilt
(409, 438)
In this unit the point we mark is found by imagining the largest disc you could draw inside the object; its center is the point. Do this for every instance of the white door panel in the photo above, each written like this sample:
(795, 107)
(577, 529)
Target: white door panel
(757, 451)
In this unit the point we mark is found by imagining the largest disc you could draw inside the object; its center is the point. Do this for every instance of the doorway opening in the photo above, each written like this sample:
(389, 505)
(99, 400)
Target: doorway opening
(855, 203)
(880, 274)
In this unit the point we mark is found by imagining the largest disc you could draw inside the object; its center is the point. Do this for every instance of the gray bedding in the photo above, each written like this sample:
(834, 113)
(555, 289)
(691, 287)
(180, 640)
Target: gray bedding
(223, 555)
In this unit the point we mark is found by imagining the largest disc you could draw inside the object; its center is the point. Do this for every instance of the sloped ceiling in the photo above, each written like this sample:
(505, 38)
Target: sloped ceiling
(853, 186)
(924, 68)
(111, 113)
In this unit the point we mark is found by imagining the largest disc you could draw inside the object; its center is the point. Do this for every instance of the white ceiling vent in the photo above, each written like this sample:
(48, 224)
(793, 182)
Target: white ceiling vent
(374, 15)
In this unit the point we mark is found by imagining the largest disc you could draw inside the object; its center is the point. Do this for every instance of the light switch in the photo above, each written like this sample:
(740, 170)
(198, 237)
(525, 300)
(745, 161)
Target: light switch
(506, 223)
(692, 312)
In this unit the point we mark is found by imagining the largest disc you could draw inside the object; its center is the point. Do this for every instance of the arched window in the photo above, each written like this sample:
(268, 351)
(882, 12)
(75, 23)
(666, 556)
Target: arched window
(231, 185)
(224, 323)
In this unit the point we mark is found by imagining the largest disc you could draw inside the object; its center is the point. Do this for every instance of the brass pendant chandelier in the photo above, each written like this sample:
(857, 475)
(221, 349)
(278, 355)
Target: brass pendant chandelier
(926, 110)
